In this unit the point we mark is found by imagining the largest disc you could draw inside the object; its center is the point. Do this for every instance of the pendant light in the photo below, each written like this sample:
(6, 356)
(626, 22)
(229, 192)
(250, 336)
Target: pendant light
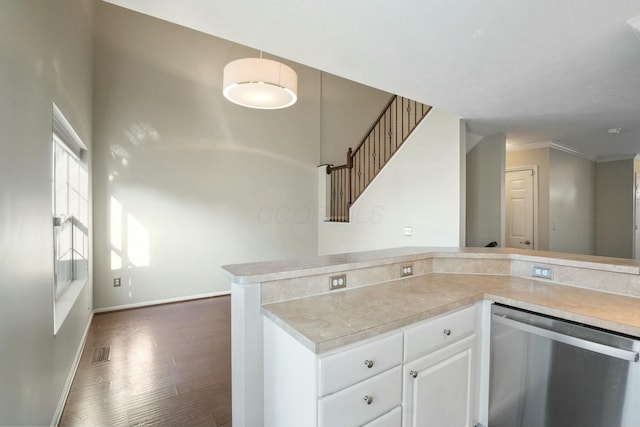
(260, 83)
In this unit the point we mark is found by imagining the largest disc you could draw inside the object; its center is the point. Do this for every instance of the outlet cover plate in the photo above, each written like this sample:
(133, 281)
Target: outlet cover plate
(542, 272)
(337, 282)
(406, 270)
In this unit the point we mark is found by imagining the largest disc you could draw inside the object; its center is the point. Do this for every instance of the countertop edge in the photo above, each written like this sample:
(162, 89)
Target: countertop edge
(301, 338)
(245, 274)
(337, 342)
(571, 316)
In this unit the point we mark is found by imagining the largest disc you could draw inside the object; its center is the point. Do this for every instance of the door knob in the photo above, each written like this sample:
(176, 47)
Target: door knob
(368, 363)
(368, 399)
(526, 242)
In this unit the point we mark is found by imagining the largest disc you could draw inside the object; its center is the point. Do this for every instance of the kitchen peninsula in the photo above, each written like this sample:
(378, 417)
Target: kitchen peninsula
(291, 300)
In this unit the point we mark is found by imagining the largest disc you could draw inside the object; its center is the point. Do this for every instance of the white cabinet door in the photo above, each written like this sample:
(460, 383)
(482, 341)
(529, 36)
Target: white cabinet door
(438, 388)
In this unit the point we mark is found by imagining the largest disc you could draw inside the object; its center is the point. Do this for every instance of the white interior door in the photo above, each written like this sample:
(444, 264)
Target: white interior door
(519, 201)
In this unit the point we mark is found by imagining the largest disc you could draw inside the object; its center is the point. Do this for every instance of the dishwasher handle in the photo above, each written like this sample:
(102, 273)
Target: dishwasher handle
(620, 353)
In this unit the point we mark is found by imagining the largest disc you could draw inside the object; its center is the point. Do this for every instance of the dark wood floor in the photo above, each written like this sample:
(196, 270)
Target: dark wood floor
(170, 365)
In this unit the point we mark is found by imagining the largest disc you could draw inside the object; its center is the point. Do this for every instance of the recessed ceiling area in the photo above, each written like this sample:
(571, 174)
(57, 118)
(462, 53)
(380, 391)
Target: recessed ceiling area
(563, 71)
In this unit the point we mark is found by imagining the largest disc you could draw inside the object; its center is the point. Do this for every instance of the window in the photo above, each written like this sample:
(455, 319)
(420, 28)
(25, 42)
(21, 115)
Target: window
(70, 196)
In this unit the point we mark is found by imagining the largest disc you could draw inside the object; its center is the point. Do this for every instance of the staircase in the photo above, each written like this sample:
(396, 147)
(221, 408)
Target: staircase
(392, 128)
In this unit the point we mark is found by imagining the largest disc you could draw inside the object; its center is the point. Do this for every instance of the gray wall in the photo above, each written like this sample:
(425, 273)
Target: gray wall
(45, 57)
(420, 187)
(348, 111)
(208, 182)
(614, 211)
(572, 203)
(485, 191)
(636, 210)
(566, 198)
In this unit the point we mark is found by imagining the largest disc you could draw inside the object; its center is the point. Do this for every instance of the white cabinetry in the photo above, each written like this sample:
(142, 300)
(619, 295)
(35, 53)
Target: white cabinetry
(439, 372)
(357, 385)
(362, 402)
(337, 370)
(390, 419)
(351, 386)
(425, 374)
(438, 388)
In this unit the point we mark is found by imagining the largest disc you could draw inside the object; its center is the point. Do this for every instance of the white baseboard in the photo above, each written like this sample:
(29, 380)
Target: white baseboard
(72, 373)
(158, 302)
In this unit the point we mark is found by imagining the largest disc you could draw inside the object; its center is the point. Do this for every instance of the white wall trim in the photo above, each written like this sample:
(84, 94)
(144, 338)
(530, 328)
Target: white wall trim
(503, 202)
(72, 373)
(462, 239)
(472, 140)
(529, 146)
(550, 144)
(63, 305)
(324, 193)
(66, 133)
(572, 151)
(162, 301)
(604, 159)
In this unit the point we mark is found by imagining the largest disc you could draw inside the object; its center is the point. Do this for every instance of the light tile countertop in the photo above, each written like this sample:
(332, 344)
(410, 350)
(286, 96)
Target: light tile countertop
(298, 267)
(328, 321)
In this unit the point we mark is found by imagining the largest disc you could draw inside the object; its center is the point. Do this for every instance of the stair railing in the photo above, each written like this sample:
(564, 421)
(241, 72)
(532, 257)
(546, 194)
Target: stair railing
(390, 130)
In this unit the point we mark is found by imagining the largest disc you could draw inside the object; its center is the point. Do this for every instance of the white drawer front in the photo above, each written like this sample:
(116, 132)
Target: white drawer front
(390, 419)
(438, 332)
(351, 408)
(341, 370)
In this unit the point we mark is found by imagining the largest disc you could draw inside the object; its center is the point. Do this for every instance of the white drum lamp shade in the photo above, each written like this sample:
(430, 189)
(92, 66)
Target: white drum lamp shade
(260, 83)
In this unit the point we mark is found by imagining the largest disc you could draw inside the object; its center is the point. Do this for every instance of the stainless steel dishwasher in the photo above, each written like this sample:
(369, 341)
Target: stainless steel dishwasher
(547, 372)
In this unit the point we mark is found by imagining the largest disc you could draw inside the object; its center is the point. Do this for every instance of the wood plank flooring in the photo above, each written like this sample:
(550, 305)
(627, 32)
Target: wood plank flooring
(170, 365)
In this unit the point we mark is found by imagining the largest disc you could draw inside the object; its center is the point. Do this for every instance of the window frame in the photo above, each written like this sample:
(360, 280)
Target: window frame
(77, 271)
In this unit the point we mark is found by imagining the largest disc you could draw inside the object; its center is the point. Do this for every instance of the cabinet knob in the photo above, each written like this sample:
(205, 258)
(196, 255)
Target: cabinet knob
(413, 374)
(368, 363)
(368, 399)
(447, 332)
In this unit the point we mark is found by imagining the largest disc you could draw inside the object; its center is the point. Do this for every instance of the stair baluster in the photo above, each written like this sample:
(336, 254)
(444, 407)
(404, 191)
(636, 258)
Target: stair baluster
(391, 129)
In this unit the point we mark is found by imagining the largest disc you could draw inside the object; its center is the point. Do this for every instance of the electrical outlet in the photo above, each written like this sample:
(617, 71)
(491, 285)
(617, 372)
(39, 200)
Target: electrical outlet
(116, 282)
(337, 282)
(542, 272)
(407, 270)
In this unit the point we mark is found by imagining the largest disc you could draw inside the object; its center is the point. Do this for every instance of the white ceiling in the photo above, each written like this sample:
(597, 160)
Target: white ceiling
(561, 70)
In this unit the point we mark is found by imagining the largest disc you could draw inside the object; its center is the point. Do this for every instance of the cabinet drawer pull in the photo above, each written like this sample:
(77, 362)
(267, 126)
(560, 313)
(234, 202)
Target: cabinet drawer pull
(368, 399)
(413, 374)
(447, 332)
(368, 363)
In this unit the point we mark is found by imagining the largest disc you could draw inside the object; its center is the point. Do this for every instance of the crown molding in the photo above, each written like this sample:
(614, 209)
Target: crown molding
(551, 144)
(604, 159)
